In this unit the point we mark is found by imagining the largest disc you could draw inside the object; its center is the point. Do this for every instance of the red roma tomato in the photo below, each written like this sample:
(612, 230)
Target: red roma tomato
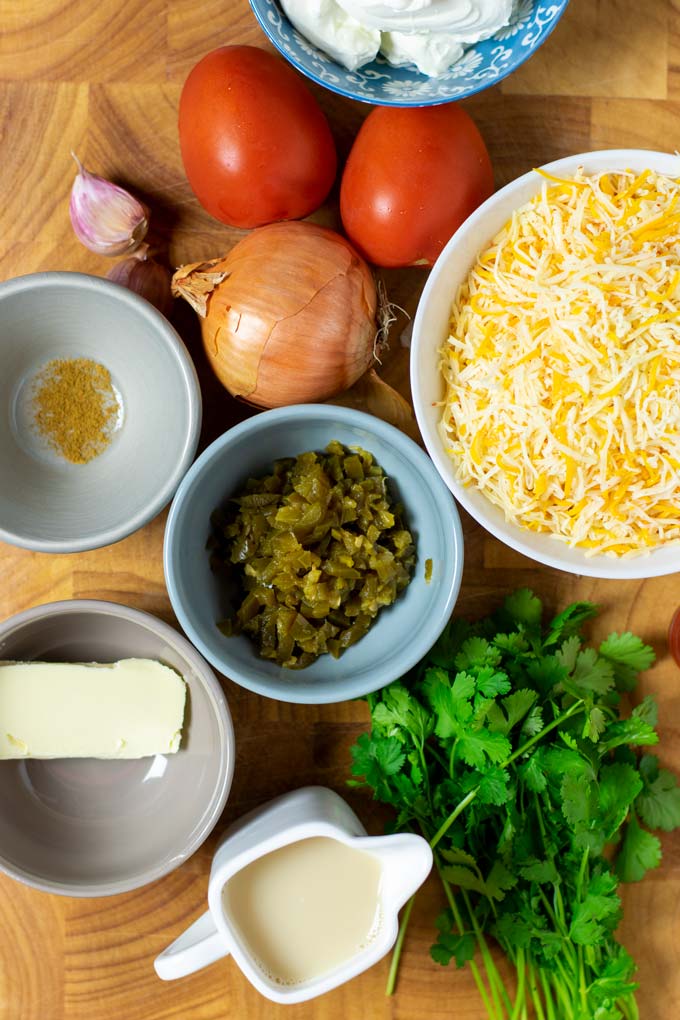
(255, 144)
(412, 177)
(674, 637)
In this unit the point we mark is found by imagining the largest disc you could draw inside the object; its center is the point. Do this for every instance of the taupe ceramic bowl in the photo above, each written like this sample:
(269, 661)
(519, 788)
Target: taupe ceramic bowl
(85, 827)
(47, 503)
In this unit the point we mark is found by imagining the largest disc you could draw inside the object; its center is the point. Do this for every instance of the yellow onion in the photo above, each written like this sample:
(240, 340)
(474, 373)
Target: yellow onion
(288, 316)
(373, 395)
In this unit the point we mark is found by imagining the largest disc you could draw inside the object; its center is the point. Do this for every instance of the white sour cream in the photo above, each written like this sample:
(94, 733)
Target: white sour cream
(428, 33)
(467, 20)
(333, 30)
(431, 52)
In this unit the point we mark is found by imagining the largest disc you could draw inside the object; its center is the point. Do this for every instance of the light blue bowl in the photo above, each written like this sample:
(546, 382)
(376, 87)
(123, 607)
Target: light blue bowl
(484, 64)
(401, 634)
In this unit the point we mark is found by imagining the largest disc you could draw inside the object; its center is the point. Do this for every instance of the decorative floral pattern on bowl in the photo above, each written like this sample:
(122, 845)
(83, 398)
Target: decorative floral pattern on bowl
(483, 64)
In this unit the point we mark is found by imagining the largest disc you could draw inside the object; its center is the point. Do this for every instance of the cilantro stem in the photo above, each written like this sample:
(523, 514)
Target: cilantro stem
(582, 872)
(578, 706)
(519, 995)
(535, 993)
(547, 993)
(460, 807)
(492, 971)
(474, 969)
(559, 924)
(561, 991)
(398, 946)
(629, 1007)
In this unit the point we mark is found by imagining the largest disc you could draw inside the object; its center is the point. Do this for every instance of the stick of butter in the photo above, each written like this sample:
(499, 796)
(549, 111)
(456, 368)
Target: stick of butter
(126, 709)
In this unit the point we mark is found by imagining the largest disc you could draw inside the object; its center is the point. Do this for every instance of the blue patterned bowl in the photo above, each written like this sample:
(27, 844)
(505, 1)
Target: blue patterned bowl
(482, 65)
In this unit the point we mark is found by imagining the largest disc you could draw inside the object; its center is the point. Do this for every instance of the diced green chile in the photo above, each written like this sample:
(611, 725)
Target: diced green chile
(318, 548)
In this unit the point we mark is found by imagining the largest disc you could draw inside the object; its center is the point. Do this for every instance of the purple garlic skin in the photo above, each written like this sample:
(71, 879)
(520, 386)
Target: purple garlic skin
(145, 277)
(107, 219)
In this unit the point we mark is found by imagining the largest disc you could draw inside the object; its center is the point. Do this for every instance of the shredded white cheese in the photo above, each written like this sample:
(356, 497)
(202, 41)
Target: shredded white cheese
(563, 365)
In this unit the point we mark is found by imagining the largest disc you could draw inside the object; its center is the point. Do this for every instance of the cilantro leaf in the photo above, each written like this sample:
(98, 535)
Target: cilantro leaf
(613, 980)
(659, 803)
(597, 913)
(463, 686)
(547, 672)
(400, 710)
(562, 762)
(455, 855)
(640, 852)
(499, 881)
(618, 787)
(531, 773)
(540, 871)
(629, 656)
(451, 946)
(567, 653)
(595, 724)
(514, 644)
(477, 651)
(463, 877)
(638, 729)
(478, 746)
(493, 787)
(517, 704)
(533, 724)
(375, 760)
(522, 606)
(450, 703)
(504, 715)
(647, 711)
(513, 930)
(490, 682)
(579, 802)
(569, 622)
(592, 674)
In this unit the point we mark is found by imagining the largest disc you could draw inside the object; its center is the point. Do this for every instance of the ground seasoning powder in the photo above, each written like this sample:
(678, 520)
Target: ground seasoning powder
(75, 407)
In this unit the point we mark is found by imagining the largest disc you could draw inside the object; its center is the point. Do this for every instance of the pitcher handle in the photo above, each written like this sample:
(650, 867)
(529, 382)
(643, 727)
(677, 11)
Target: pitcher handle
(197, 947)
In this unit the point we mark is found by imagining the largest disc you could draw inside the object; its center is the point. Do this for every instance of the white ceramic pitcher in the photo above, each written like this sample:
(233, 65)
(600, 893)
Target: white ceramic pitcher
(405, 859)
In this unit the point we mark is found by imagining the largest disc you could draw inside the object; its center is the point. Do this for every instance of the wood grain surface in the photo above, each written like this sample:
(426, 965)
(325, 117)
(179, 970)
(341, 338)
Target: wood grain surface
(104, 79)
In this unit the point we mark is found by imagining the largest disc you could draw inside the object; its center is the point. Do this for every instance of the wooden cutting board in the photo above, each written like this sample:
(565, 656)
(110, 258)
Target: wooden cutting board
(104, 80)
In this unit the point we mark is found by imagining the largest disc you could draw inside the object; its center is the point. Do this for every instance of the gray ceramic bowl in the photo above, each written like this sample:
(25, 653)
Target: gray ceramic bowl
(85, 827)
(47, 503)
(402, 632)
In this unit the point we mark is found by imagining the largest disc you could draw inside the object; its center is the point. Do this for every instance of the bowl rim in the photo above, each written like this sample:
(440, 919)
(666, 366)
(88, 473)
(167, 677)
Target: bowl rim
(187, 370)
(387, 100)
(227, 747)
(512, 535)
(426, 635)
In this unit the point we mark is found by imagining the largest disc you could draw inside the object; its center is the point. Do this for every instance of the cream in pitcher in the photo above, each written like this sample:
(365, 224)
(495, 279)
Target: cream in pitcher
(306, 908)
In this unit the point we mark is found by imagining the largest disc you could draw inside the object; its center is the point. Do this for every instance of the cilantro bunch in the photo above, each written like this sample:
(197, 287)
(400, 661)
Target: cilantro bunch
(506, 748)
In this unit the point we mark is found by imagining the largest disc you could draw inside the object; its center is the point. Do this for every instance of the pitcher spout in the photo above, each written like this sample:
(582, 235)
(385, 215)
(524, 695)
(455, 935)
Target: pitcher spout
(406, 861)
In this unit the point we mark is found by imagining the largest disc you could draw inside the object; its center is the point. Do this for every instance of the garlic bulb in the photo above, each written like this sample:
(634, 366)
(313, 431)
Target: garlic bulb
(107, 219)
(145, 277)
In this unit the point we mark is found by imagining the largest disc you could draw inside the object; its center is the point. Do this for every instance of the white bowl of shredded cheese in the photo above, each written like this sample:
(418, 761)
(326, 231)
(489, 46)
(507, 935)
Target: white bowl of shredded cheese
(545, 364)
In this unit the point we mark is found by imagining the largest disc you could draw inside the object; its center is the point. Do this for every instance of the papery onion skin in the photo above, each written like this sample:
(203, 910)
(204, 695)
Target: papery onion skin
(146, 277)
(372, 394)
(289, 314)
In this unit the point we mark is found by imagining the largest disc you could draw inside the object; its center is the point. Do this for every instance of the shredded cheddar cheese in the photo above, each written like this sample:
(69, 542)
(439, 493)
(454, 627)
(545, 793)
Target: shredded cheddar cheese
(562, 366)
